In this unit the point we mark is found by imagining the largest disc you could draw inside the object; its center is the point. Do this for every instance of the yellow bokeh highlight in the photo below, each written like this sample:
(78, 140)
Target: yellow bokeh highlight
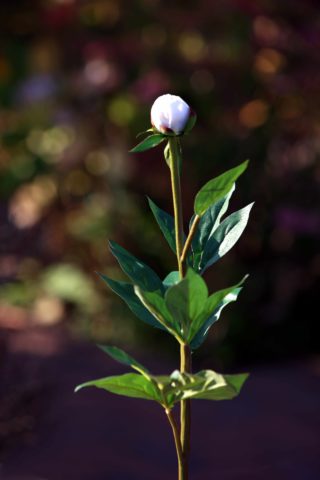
(51, 142)
(121, 111)
(77, 182)
(269, 61)
(254, 114)
(192, 46)
(98, 162)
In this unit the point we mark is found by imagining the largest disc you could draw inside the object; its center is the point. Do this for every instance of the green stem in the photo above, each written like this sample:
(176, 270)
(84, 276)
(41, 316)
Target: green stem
(185, 408)
(176, 196)
(185, 352)
(190, 238)
(175, 430)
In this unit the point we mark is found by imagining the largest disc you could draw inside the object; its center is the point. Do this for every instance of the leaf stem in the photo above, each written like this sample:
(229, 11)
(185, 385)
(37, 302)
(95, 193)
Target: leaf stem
(187, 244)
(176, 196)
(185, 352)
(180, 457)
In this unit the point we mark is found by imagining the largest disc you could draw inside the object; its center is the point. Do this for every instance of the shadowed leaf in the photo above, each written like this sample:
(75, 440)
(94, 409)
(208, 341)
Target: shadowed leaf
(122, 357)
(139, 272)
(149, 142)
(127, 293)
(224, 237)
(166, 224)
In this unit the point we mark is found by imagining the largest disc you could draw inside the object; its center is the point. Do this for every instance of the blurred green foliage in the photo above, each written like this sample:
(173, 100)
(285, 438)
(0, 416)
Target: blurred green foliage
(77, 80)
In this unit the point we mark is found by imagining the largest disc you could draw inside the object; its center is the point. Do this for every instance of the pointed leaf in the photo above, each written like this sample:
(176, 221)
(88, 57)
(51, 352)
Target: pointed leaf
(155, 303)
(122, 357)
(166, 224)
(215, 386)
(138, 271)
(171, 279)
(129, 385)
(203, 331)
(127, 293)
(149, 142)
(206, 227)
(225, 237)
(186, 300)
(217, 188)
(212, 307)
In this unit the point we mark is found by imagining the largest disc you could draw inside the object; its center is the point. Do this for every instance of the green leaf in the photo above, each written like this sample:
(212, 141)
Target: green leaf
(186, 300)
(149, 142)
(155, 303)
(171, 279)
(126, 292)
(139, 272)
(144, 132)
(224, 237)
(122, 357)
(166, 224)
(214, 306)
(214, 386)
(130, 385)
(169, 390)
(217, 188)
(206, 227)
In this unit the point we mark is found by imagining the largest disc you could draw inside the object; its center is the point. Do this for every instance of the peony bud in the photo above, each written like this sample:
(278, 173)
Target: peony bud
(170, 114)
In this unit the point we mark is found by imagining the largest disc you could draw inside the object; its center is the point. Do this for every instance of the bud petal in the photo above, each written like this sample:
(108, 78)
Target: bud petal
(170, 114)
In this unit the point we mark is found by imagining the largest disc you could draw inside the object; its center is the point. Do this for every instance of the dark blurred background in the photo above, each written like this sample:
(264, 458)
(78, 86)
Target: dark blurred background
(77, 80)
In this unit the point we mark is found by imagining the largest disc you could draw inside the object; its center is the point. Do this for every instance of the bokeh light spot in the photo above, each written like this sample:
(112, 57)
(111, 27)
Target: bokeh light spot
(105, 12)
(27, 205)
(266, 29)
(254, 114)
(77, 182)
(192, 46)
(98, 162)
(269, 61)
(121, 111)
(52, 142)
(47, 310)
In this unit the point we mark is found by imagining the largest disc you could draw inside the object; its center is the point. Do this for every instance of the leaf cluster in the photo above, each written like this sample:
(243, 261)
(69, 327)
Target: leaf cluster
(182, 307)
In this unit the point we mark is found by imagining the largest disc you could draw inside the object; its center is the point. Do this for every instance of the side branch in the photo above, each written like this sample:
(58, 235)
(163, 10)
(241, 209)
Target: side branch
(180, 457)
(190, 238)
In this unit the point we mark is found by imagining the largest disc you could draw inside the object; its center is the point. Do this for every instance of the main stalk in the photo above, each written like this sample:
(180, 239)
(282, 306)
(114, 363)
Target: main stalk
(185, 353)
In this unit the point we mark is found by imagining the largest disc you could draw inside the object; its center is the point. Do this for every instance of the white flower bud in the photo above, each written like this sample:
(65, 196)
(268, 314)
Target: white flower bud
(170, 114)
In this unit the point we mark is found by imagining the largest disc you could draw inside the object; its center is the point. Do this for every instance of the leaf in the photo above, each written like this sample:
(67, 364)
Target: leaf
(144, 132)
(166, 224)
(126, 292)
(225, 237)
(217, 188)
(186, 300)
(122, 357)
(171, 279)
(139, 272)
(155, 303)
(130, 385)
(207, 225)
(169, 390)
(211, 307)
(225, 296)
(214, 386)
(150, 142)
